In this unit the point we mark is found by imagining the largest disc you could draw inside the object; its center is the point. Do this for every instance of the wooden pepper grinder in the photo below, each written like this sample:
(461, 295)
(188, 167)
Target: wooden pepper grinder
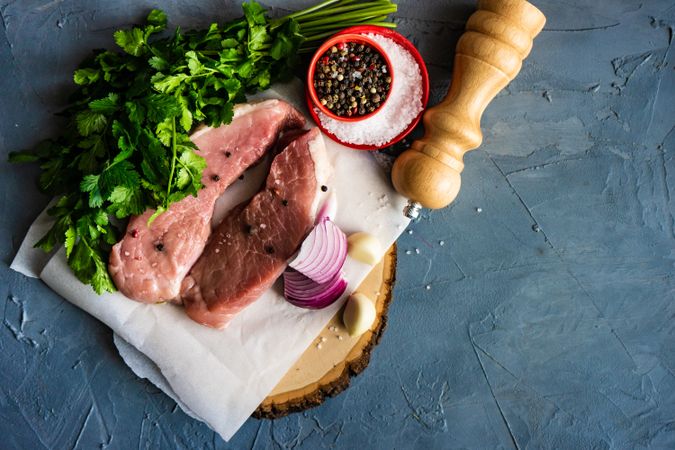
(489, 55)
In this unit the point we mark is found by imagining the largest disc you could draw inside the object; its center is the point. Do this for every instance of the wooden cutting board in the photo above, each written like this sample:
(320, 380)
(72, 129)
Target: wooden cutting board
(326, 367)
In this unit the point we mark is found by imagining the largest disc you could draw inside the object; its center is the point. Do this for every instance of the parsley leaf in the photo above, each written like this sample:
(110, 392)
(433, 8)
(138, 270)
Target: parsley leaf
(160, 107)
(157, 18)
(106, 105)
(69, 241)
(158, 63)
(86, 76)
(89, 122)
(191, 168)
(131, 41)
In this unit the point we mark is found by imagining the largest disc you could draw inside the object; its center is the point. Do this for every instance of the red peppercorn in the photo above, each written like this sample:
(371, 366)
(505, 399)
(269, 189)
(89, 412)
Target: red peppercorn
(134, 233)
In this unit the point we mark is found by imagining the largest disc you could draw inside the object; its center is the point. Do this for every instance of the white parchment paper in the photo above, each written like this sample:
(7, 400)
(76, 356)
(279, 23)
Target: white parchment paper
(221, 376)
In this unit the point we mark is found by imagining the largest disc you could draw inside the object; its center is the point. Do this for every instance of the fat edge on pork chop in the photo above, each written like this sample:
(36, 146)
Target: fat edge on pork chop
(150, 262)
(250, 248)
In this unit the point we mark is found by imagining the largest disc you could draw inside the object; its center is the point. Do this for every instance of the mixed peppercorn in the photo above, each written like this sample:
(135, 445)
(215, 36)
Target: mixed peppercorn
(352, 79)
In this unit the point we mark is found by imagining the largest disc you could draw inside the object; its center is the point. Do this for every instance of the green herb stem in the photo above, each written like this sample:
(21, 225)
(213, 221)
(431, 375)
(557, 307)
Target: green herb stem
(354, 15)
(173, 161)
(329, 17)
(360, 7)
(278, 22)
(309, 46)
(376, 20)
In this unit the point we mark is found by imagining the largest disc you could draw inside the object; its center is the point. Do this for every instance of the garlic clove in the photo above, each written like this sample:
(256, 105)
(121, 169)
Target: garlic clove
(364, 247)
(359, 314)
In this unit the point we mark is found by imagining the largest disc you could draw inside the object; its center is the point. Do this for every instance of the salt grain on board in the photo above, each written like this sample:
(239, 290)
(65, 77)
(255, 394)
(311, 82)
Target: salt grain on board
(401, 108)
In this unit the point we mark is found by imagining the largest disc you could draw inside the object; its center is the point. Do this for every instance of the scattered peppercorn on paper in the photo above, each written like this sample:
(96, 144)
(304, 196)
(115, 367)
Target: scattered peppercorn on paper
(221, 376)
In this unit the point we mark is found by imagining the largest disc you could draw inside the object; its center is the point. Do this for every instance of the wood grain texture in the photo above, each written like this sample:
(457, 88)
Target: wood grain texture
(327, 366)
(489, 55)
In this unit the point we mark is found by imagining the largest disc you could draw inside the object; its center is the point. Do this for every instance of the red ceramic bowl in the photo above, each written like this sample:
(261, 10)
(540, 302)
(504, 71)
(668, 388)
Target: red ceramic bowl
(406, 44)
(335, 40)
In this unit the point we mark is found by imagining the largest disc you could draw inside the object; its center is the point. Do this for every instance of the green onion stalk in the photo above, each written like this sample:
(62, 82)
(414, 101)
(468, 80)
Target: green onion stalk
(324, 19)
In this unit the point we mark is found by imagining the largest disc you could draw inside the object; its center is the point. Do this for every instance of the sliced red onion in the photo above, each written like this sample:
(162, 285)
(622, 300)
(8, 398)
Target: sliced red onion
(314, 277)
(322, 254)
(303, 292)
(328, 209)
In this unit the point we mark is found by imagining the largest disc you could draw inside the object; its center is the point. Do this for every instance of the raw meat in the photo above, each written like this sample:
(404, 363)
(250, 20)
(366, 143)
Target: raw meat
(248, 251)
(149, 263)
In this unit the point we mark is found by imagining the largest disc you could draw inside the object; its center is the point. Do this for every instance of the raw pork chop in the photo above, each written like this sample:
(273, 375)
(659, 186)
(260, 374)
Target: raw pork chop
(149, 263)
(248, 250)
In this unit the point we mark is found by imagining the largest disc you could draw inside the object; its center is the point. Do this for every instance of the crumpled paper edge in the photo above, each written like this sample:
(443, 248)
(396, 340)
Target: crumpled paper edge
(145, 368)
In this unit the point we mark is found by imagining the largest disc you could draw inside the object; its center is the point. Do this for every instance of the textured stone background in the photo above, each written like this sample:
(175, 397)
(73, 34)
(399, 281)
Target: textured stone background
(562, 337)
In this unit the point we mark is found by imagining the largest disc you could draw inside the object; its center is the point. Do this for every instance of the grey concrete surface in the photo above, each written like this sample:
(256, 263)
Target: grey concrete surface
(548, 321)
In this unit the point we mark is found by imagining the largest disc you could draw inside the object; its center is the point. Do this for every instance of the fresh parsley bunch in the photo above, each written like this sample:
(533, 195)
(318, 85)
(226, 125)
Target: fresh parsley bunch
(126, 145)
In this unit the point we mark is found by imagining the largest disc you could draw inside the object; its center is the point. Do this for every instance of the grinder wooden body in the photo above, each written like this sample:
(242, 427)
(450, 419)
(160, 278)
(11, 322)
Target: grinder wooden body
(489, 55)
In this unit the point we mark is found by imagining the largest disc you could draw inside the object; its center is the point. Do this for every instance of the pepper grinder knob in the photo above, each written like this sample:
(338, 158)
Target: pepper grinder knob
(489, 55)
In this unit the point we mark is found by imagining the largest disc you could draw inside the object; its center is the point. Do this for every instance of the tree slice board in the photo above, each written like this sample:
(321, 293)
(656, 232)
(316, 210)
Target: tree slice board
(326, 367)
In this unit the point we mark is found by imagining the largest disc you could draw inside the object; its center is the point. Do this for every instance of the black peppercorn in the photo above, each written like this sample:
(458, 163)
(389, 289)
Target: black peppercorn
(351, 70)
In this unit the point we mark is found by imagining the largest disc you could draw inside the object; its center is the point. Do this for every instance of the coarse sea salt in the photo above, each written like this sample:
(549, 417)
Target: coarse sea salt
(401, 108)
